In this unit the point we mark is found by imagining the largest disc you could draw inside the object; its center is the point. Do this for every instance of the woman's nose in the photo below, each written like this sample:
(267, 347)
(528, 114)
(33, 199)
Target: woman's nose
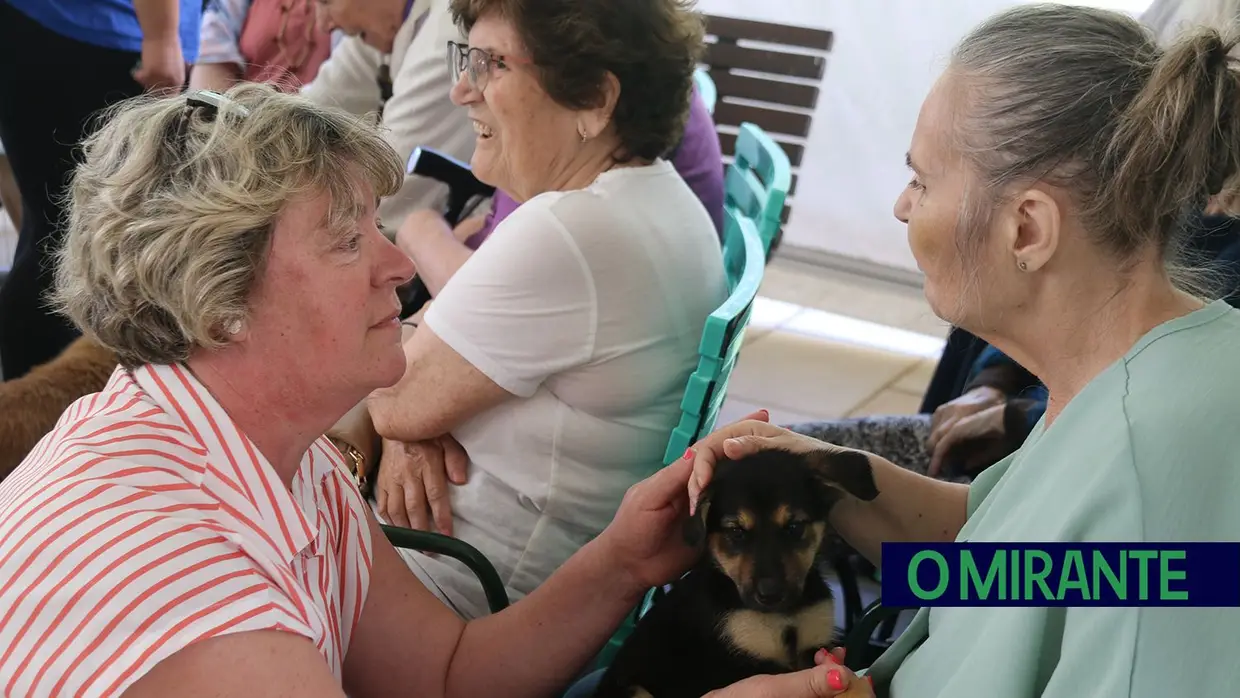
(463, 91)
(396, 266)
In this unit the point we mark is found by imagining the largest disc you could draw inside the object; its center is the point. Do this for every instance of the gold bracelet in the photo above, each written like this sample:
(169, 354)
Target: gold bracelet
(353, 457)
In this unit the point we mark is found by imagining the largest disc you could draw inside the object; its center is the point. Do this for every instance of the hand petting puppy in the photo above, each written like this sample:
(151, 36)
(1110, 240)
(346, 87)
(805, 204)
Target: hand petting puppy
(828, 678)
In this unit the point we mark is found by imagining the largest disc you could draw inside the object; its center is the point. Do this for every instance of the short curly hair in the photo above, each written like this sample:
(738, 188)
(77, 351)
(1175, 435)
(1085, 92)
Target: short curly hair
(651, 46)
(170, 215)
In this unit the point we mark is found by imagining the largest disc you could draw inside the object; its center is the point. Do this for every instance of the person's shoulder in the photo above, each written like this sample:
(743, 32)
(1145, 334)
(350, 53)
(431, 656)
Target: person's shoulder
(1184, 372)
(617, 201)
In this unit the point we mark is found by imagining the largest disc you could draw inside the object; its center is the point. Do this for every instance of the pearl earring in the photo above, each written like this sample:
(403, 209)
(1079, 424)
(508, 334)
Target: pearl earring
(234, 327)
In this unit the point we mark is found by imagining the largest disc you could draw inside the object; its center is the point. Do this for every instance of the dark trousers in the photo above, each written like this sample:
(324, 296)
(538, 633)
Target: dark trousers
(50, 88)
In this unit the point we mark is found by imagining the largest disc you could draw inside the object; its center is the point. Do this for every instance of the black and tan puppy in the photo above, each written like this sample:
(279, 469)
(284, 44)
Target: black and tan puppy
(755, 603)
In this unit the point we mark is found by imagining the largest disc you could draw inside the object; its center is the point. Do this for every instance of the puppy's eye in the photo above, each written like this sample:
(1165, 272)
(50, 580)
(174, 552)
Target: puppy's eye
(735, 534)
(795, 530)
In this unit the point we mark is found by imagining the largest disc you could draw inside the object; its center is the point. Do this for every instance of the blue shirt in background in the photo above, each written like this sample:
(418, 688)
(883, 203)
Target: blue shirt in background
(108, 23)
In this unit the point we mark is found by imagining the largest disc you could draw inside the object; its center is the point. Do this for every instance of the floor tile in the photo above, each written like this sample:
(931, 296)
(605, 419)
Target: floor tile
(834, 327)
(888, 402)
(812, 377)
(735, 409)
(790, 284)
(917, 379)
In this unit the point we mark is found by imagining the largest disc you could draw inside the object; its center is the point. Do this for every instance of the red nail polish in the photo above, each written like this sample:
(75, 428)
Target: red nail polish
(871, 680)
(835, 680)
(688, 454)
(820, 655)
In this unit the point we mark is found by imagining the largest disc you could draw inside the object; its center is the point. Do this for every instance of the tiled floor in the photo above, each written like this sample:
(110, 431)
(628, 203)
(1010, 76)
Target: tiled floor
(823, 348)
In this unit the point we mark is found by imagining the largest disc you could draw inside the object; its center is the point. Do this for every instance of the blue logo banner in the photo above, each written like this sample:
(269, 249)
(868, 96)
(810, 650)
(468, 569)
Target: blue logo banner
(1061, 574)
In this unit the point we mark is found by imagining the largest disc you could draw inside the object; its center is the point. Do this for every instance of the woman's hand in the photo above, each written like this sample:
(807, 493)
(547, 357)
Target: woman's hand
(984, 424)
(162, 66)
(828, 678)
(412, 487)
(646, 536)
(744, 438)
(972, 402)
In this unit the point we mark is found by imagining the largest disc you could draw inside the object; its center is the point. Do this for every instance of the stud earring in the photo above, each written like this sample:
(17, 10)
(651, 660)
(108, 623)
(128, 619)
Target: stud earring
(234, 327)
(581, 131)
(1024, 266)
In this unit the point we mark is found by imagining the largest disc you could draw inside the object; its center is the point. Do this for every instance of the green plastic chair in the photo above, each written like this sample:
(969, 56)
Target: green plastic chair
(706, 88)
(744, 262)
(430, 542)
(758, 181)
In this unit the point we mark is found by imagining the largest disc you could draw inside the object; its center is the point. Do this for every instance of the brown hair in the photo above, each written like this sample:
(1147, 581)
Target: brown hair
(170, 214)
(1084, 99)
(651, 46)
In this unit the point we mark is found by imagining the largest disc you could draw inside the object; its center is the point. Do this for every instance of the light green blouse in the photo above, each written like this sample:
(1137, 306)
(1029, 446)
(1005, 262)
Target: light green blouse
(1148, 451)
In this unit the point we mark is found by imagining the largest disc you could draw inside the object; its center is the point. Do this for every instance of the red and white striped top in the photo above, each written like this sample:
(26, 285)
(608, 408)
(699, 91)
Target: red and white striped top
(146, 521)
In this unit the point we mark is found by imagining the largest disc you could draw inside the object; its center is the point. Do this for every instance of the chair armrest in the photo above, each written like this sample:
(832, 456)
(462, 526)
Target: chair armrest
(429, 542)
(858, 642)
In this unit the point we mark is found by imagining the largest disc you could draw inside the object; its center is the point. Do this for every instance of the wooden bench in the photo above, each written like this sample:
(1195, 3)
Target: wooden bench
(767, 74)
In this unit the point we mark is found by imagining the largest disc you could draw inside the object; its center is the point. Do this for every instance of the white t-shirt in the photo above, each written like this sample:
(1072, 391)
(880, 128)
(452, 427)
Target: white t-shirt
(588, 306)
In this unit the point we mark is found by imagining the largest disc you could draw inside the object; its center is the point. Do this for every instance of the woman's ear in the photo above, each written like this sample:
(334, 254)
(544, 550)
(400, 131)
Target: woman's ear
(593, 122)
(1033, 223)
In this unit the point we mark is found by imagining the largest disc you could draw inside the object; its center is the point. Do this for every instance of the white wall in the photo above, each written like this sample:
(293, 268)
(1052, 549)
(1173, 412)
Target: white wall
(887, 54)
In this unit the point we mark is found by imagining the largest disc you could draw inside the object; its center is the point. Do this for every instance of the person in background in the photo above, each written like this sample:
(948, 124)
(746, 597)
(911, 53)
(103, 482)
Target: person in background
(438, 251)
(393, 61)
(553, 365)
(61, 61)
(276, 41)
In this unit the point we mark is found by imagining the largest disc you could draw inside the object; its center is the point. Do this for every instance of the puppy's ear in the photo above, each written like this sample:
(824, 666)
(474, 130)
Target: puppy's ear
(695, 526)
(844, 471)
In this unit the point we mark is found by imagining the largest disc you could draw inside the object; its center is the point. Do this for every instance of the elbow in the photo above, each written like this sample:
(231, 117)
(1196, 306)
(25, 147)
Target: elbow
(382, 415)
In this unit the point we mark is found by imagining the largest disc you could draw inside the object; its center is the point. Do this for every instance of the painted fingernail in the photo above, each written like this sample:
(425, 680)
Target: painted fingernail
(688, 454)
(835, 680)
(871, 680)
(838, 654)
(820, 656)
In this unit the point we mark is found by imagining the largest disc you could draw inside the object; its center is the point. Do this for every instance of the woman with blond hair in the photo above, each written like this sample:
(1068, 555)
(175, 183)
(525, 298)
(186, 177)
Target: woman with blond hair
(188, 530)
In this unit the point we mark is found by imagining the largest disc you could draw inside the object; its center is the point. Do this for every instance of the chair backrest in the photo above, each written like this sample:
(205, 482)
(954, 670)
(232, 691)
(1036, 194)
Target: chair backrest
(767, 74)
(706, 88)
(722, 336)
(758, 181)
(724, 332)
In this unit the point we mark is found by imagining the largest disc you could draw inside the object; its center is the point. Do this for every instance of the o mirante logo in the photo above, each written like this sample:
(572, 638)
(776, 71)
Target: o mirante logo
(1061, 574)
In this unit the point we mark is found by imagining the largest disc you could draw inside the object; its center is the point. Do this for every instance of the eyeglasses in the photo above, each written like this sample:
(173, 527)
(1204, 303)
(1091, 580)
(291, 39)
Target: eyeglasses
(477, 63)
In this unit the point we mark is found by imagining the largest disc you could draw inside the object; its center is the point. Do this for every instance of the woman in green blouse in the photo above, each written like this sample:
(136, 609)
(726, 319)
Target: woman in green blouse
(1051, 165)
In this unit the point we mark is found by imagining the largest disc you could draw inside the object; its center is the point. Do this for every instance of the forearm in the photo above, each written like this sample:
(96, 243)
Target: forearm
(909, 508)
(159, 19)
(538, 646)
(437, 257)
(214, 76)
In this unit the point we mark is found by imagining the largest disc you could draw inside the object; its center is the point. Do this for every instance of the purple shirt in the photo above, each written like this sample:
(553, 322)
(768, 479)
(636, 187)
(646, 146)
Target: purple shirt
(697, 158)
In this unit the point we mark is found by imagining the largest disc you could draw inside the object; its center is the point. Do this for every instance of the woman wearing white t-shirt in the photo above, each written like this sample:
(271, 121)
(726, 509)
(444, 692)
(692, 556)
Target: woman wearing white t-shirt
(557, 354)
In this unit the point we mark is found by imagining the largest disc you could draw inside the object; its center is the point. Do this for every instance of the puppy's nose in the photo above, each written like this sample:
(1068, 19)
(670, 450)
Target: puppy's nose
(769, 592)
